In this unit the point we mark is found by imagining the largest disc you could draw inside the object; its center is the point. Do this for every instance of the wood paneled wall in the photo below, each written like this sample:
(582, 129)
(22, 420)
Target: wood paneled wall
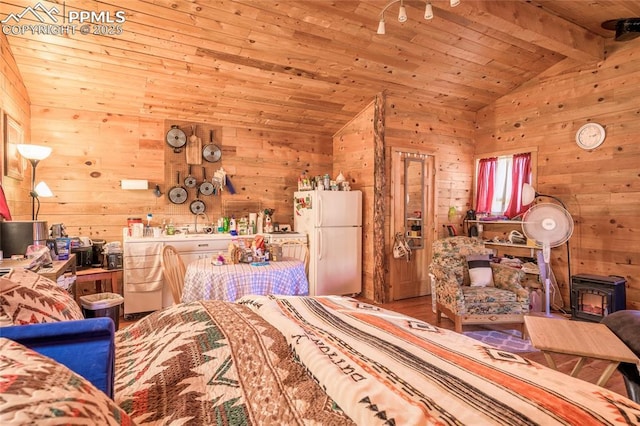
(353, 155)
(601, 187)
(93, 152)
(444, 133)
(263, 168)
(14, 101)
(447, 135)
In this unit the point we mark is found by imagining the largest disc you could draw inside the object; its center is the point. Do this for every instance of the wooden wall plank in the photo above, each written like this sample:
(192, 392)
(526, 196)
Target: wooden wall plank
(600, 187)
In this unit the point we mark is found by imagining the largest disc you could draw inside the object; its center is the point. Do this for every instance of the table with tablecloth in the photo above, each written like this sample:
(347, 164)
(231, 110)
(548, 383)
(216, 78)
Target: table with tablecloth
(204, 280)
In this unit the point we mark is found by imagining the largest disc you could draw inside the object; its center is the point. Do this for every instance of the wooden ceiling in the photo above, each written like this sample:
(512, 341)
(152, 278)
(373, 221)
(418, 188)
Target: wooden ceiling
(305, 65)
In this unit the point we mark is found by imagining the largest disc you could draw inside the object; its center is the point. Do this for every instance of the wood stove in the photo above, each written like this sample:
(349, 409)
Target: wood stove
(593, 297)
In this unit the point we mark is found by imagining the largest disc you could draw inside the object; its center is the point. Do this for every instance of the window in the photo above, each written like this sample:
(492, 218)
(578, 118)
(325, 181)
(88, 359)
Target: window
(499, 180)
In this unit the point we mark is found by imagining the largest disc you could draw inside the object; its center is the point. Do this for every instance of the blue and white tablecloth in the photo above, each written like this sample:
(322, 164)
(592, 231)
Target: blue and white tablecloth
(205, 281)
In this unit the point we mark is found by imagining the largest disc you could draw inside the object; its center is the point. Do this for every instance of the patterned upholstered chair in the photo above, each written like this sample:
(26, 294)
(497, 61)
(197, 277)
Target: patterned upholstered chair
(506, 301)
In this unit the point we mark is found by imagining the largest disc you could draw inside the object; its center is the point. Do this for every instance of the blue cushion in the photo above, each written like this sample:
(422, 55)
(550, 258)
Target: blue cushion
(85, 346)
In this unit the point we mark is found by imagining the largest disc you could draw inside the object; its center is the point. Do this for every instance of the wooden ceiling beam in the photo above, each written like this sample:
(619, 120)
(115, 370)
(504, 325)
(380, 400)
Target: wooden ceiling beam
(534, 25)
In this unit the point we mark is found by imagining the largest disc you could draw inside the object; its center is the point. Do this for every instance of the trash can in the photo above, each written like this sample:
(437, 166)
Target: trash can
(102, 305)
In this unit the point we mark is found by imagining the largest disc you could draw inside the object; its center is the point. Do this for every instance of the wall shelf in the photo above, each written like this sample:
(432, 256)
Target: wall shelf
(520, 246)
(497, 228)
(496, 222)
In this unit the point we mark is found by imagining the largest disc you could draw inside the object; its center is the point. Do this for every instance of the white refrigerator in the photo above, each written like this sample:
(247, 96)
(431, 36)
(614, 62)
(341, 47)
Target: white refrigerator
(332, 221)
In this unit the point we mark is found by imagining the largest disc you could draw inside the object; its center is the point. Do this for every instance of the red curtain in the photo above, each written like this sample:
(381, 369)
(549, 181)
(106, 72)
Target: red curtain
(520, 175)
(4, 208)
(486, 178)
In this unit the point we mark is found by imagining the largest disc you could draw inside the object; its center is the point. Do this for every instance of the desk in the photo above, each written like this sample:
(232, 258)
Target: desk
(582, 339)
(203, 280)
(98, 275)
(53, 272)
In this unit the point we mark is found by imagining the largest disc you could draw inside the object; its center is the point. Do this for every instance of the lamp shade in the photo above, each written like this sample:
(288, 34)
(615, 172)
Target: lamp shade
(528, 194)
(42, 190)
(381, 29)
(34, 152)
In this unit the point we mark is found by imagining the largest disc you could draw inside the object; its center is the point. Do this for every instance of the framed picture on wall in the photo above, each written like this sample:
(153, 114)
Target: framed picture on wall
(13, 135)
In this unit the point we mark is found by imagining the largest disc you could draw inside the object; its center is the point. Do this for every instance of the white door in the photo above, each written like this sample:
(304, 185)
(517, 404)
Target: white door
(338, 260)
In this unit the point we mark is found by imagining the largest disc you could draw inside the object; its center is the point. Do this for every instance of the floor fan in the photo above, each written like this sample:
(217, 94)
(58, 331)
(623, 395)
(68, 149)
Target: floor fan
(550, 225)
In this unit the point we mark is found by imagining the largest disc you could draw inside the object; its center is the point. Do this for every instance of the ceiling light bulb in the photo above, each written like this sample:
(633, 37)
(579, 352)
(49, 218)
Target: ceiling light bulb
(381, 29)
(454, 3)
(428, 12)
(402, 15)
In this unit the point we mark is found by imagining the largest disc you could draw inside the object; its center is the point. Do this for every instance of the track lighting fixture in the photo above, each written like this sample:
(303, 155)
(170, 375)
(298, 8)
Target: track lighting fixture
(402, 13)
(428, 11)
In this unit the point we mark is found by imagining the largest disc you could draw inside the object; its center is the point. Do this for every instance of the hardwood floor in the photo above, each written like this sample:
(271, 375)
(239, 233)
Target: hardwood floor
(420, 308)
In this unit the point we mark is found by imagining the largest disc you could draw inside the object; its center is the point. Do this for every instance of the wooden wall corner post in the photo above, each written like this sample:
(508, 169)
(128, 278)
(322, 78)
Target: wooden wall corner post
(380, 293)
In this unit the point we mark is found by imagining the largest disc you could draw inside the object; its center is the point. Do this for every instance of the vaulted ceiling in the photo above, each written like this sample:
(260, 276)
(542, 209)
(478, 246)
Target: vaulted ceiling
(306, 65)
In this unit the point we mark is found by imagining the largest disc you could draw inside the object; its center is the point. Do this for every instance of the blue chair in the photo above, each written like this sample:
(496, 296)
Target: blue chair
(86, 346)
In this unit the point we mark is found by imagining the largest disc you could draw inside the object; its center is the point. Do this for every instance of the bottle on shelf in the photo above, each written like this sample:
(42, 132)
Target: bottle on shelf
(171, 230)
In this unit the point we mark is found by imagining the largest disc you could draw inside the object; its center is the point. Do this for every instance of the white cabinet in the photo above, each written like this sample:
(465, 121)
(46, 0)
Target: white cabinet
(194, 250)
(280, 238)
(142, 276)
(144, 289)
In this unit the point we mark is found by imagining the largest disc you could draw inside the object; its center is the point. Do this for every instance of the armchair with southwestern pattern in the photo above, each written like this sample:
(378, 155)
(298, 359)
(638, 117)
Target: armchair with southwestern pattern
(506, 301)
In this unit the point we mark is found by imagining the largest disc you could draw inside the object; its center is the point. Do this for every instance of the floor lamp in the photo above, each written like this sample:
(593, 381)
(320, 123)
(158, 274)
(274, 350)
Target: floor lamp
(34, 153)
(528, 195)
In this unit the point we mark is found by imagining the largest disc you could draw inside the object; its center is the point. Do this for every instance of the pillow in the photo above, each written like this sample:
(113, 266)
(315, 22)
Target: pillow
(38, 390)
(480, 274)
(29, 298)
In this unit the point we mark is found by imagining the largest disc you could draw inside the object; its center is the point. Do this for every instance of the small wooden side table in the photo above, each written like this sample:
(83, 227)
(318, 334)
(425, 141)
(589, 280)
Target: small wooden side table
(53, 272)
(579, 338)
(98, 275)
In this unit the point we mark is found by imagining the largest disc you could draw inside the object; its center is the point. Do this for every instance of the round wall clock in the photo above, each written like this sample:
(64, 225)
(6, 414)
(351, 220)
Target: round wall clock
(590, 136)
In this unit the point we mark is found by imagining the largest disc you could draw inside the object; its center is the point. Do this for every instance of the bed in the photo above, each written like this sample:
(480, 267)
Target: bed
(315, 360)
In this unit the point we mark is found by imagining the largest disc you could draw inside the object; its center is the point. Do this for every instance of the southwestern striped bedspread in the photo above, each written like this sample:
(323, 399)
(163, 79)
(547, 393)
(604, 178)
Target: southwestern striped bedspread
(296, 360)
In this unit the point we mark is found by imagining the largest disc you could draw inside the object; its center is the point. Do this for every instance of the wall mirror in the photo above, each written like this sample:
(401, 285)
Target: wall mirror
(414, 200)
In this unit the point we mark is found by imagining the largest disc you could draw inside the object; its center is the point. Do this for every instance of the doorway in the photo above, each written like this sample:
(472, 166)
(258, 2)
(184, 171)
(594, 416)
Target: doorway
(412, 215)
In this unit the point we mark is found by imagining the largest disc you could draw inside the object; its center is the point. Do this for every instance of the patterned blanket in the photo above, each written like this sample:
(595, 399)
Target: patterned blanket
(214, 363)
(384, 368)
(289, 360)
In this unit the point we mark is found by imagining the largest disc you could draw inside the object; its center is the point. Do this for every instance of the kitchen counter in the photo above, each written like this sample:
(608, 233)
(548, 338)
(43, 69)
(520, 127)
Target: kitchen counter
(180, 236)
(143, 282)
(215, 237)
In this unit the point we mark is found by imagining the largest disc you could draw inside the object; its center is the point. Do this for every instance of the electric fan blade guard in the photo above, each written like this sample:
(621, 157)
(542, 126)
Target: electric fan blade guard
(548, 224)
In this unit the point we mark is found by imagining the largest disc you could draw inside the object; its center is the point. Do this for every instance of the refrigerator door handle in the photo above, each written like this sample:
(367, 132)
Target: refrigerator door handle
(319, 239)
(319, 212)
